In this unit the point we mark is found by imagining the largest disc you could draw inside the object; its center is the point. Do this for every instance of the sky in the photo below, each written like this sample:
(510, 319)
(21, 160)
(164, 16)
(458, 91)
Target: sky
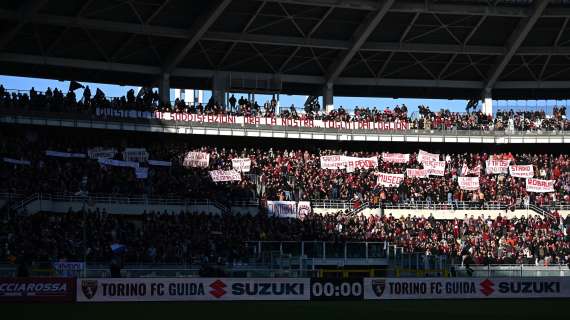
(25, 84)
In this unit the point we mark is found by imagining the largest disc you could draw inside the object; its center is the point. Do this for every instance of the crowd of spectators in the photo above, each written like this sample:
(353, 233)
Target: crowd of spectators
(275, 174)
(148, 100)
(223, 239)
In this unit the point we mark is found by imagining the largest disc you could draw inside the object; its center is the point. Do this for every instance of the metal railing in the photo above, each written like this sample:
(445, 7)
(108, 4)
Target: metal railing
(130, 200)
(318, 249)
(128, 122)
(491, 271)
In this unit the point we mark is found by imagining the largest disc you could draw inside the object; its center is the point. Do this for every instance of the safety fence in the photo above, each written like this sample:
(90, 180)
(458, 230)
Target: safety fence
(86, 290)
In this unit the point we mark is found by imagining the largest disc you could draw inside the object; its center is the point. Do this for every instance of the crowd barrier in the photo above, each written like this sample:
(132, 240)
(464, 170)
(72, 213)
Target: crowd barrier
(277, 289)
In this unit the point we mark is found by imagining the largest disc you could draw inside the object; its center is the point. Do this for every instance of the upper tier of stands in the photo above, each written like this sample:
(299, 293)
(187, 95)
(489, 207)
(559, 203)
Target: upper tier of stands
(146, 105)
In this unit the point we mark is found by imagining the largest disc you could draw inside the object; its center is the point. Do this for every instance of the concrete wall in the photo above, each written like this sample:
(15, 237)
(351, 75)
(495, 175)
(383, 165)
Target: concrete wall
(115, 208)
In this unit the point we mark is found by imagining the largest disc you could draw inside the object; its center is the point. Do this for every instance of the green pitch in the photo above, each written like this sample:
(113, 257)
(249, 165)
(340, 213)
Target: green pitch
(365, 310)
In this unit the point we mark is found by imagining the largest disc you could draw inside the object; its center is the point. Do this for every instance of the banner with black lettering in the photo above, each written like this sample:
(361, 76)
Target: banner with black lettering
(191, 289)
(466, 288)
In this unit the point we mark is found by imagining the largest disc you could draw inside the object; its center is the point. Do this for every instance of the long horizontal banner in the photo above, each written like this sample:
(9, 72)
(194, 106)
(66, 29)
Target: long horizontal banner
(538, 185)
(466, 288)
(192, 289)
(246, 120)
(37, 289)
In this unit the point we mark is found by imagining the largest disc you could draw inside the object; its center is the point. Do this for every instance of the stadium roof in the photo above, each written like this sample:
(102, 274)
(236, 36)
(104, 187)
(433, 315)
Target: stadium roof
(403, 48)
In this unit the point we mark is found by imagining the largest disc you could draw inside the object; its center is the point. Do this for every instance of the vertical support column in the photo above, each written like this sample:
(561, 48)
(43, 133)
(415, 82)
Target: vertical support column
(164, 88)
(487, 102)
(219, 89)
(328, 103)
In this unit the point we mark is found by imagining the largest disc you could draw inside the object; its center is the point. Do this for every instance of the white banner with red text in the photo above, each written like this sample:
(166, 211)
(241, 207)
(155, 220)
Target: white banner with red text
(519, 171)
(424, 156)
(390, 180)
(191, 289)
(466, 288)
(435, 168)
(353, 163)
(539, 185)
(468, 183)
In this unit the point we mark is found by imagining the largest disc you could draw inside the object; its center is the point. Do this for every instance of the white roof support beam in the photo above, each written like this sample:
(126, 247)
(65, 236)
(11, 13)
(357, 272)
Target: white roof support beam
(359, 37)
(514, 42)
(195, 34)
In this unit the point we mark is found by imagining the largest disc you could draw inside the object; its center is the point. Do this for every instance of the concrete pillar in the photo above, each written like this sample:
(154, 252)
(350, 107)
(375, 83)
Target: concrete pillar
(164, 88)
(487, 102)
(328, 103)
(219, 88)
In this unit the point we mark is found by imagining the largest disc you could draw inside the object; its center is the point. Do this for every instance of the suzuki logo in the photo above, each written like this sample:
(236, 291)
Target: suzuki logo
(487, 287)
(218, 288)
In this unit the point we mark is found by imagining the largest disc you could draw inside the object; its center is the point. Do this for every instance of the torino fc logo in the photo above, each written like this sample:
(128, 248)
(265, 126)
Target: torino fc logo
(378, 287)
(89, 288)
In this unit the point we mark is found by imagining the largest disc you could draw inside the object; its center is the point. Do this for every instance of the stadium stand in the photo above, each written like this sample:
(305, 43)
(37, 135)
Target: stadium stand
(148, 101)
